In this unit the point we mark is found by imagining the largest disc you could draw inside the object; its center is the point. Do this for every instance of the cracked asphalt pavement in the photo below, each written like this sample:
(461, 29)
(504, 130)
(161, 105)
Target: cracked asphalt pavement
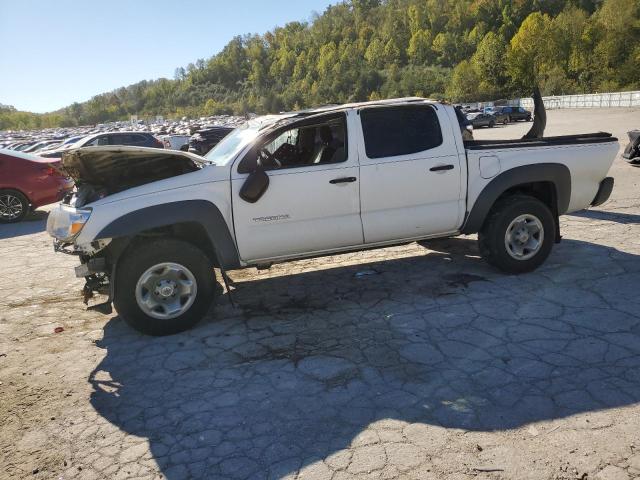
(417, 362)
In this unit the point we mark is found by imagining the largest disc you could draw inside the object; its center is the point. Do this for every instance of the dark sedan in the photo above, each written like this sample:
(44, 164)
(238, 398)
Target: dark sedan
(513, 114)
(480, 119)
(207, 138)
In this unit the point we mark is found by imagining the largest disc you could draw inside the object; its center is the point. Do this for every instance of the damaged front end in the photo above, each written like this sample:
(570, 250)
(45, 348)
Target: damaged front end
(99, 172)
(98, 270)
(102, 171)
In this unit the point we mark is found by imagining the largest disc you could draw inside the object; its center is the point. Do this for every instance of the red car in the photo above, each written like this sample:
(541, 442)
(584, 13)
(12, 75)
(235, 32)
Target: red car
(28, 182)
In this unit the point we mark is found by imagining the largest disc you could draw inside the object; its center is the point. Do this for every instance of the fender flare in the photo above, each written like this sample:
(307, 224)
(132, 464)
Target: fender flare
(166, 214)
(555, 173)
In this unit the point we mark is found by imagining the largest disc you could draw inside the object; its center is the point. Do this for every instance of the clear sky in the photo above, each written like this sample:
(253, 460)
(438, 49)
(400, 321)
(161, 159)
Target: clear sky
(55, 52)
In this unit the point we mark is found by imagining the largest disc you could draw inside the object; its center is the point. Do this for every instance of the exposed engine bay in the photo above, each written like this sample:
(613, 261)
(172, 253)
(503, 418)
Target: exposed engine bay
(102, 171)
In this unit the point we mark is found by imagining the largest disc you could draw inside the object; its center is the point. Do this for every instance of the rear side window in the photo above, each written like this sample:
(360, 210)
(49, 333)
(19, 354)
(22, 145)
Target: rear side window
(393, 131)
(118, 139)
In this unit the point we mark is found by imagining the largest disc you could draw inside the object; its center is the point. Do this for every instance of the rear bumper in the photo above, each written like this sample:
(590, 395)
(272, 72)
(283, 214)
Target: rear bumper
(604, 192)
(54, 194)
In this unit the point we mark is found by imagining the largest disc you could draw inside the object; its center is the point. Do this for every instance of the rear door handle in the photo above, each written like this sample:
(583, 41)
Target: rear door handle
(343, 180)
(440, 168)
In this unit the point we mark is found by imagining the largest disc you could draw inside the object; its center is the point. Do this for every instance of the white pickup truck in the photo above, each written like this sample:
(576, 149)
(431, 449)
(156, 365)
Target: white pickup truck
(149, 225)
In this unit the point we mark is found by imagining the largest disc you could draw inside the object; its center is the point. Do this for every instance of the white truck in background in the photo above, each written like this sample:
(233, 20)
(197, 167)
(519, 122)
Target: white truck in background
(150, 225)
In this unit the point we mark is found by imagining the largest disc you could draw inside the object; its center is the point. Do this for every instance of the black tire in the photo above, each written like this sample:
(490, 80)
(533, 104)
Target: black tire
(505, 121)
(10, 202)
(492, 241)
(138, 260)
(492, 124)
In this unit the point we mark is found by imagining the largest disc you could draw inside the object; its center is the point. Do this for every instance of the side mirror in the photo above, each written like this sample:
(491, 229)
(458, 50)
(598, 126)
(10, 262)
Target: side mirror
(254, 186)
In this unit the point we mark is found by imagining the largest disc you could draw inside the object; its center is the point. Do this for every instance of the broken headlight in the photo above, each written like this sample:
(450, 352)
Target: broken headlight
(65, 223)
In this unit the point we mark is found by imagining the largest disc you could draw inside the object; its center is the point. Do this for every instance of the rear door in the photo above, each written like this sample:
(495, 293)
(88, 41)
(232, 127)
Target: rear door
(312, 202)
(410, 173)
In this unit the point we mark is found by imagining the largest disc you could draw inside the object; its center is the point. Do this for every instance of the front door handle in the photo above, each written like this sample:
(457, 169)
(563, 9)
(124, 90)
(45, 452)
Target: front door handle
(441, 168)
(343, 180)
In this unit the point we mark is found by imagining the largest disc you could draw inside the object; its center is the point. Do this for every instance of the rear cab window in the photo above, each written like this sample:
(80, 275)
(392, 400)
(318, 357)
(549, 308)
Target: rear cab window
(400, 130)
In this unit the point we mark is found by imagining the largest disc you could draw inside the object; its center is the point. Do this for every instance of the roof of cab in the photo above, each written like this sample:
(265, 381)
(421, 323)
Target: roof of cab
(371, 103)
(269, 122)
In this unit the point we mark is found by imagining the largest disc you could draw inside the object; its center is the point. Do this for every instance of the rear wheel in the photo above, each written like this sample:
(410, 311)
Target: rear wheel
(492, 124)
(518, 235)
(14, 206)
(164, 286)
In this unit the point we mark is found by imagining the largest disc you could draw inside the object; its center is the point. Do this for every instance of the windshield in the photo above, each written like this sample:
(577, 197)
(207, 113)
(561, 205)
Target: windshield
(233, 143)
(238, 139)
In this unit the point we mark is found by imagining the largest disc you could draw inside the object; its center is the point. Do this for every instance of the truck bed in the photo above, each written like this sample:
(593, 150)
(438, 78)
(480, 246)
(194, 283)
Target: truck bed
(599, 137)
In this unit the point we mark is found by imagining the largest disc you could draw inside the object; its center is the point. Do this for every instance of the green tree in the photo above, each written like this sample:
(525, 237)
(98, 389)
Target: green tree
(419, 51)
(464, 83)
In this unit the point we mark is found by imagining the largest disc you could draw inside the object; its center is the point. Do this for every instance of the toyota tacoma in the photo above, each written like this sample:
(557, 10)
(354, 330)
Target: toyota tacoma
(149, 226)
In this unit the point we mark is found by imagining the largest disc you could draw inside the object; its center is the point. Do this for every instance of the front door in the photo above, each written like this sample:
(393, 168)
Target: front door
(312, 201)
(410, 173)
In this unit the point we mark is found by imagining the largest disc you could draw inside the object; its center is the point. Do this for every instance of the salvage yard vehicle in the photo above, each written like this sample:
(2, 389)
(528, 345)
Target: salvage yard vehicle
(175, 142)
(205, 139)
(513, 114)
(632, 151)
(149, 226)
(28, 182)
(480, 119)
(137, 139)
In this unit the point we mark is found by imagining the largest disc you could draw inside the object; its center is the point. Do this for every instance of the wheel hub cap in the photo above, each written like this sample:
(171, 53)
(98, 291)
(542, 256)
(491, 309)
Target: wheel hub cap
(10, 207)
(524, 237)
(166, 290)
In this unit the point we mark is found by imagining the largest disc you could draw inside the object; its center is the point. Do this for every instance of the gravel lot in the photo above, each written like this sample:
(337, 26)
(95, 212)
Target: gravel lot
(409, 362)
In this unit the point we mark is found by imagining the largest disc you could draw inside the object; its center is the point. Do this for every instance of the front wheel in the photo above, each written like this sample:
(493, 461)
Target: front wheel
(518, 234)
(164, 286)
(492, 124)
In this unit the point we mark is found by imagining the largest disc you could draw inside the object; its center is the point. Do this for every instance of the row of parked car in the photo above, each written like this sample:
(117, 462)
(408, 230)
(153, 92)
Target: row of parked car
(29, 161)
(492, 116)
(197, 136)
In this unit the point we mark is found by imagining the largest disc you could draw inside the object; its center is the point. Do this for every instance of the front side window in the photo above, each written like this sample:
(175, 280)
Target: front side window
(393, 131)
(315, 144)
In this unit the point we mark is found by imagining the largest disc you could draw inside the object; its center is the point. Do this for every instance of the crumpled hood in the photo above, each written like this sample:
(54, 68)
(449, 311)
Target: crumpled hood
(120, 168)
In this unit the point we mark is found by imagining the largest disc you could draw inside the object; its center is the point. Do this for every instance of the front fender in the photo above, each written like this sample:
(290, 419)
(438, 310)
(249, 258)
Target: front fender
(164, 215)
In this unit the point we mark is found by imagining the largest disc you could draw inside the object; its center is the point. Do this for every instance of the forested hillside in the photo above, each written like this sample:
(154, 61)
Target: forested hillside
(460, 50)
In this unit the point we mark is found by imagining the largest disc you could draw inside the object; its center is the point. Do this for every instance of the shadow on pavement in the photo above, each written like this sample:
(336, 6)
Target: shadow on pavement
(625, 218)
(310, 360)
(35, 222)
